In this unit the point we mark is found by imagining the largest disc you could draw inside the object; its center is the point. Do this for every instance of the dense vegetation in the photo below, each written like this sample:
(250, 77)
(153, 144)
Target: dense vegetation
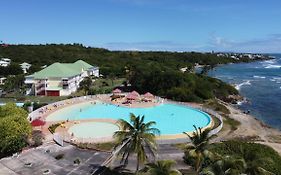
(177, 85)
(237, 157)
(110, 62)
(14, 129)
(255, 155)
(157, 72)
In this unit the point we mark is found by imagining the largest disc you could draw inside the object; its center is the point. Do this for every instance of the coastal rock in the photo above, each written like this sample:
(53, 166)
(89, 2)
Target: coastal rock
(234, 99)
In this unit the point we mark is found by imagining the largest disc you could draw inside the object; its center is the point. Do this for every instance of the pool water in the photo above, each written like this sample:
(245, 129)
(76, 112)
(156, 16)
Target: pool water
(169, 118)
(93, 130)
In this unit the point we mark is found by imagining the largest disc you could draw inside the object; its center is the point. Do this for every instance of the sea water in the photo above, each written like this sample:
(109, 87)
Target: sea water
(260, 82)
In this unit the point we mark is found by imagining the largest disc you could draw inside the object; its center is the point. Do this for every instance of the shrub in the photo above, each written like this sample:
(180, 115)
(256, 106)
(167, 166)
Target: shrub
(37, 105)
(53, 127)
(59, 156)
(263, 156)
(37, 138)
(77, 161)
(14, 129)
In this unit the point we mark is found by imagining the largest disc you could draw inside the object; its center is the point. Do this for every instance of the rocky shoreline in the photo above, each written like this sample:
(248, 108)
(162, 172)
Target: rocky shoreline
(250, 129)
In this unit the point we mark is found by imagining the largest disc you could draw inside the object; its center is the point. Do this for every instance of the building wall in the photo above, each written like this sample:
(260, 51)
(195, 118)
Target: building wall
(54, 82)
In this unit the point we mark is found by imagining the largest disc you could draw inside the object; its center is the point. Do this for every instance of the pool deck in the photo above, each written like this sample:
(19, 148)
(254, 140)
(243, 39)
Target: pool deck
(63, 129)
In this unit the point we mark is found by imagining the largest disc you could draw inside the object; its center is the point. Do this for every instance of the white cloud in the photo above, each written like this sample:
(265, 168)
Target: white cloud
(152, 46)
(270, 43)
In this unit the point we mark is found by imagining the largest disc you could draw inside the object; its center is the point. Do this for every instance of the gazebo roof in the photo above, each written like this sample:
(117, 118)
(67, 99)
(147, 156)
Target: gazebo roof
(135, 93)
(131, 96)
(148, 94)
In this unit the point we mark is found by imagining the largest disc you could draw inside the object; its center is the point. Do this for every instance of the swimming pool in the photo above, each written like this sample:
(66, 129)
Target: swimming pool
(17, 104)
(170, 118)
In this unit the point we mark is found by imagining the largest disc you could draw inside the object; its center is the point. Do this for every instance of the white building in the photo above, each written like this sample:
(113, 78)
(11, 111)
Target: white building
(4, 62)
(2, 80)
(59, 79)
(25, 66)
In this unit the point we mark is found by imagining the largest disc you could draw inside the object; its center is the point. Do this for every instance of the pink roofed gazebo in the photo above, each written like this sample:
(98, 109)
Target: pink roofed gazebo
(135, 93)
(116, 91)
(131, 96)
(148, 95)
(37, 122)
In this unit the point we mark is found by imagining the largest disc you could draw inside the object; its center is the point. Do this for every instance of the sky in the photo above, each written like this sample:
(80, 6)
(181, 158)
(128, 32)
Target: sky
(167, 25)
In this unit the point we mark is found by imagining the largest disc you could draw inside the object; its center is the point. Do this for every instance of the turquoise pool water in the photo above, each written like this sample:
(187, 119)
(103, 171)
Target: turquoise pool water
(93, 130)
(17, 104)
(169, 118)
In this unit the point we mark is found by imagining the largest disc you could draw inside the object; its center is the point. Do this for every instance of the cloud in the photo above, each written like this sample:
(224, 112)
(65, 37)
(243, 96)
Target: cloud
(152, 46)
(268, 44)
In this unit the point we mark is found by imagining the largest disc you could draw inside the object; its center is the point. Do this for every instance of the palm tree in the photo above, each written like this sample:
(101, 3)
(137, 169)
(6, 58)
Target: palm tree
(86, 84)
(198, 148)
(162, 167)
(254, 168)
(225, 166)
(229, 165)
(135, 137)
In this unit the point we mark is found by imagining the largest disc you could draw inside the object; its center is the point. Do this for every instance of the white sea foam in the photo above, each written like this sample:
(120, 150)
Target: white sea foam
(240, 103)
(270, 61)
(272, 66)
(256, 76)
(277, 78)
(247, 83)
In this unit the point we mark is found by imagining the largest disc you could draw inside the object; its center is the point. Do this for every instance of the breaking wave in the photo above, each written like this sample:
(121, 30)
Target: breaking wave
(245, 83)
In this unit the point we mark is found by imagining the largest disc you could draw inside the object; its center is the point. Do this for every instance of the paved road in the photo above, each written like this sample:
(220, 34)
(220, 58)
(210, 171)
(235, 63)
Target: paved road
(43, 158)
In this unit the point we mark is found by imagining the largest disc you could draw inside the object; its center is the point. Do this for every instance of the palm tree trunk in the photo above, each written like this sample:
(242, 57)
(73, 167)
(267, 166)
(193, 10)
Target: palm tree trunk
(198, 161)
(138, 164)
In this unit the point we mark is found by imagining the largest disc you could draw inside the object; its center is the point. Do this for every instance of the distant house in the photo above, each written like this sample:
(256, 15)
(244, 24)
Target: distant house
(4, 62)
(184, 69)
(2, 80)
(59, 79)
(43, 67)
(25, 66)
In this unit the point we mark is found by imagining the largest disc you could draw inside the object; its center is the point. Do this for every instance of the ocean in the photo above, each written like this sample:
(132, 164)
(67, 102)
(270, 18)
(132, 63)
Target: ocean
(260, 83)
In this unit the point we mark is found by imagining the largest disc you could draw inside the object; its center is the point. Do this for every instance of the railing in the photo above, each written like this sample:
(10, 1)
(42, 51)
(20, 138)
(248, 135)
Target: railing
(38, 112)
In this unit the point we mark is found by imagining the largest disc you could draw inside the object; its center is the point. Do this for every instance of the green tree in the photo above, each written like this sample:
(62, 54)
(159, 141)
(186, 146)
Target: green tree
(14, 129)
(260, 159)
(136, 137)
(14, 83)
(254, 166)
(198, 147)
(86, 84)
(226, 165)
(162, 167)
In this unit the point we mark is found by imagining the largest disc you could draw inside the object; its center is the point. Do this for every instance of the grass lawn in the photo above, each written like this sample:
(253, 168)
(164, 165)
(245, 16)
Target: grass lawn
(215, 105)
(22, 98)
(103, 85)
(231, 122)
